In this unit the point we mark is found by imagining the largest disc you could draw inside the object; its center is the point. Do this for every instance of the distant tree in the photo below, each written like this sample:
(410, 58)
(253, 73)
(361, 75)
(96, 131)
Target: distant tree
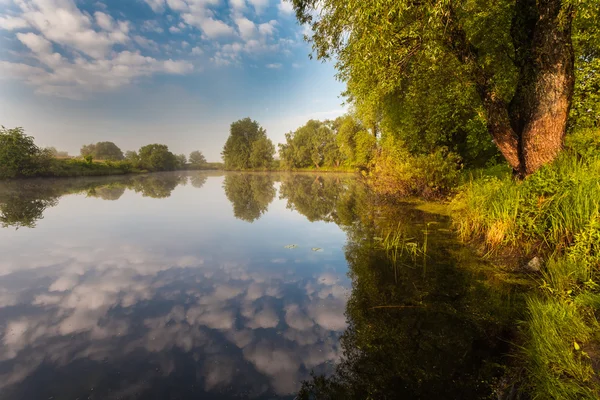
(103, 151)
(197, 158)
(157, 157)
(56, 153)
(88, 150)
(181, 160)
(261, 155)
(311, 145)
(354, 141)
(238, 148)
(108, 151)
(132, 157)
(19, 156)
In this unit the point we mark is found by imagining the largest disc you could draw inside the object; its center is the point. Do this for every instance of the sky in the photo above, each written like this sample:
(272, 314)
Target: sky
(177, 72)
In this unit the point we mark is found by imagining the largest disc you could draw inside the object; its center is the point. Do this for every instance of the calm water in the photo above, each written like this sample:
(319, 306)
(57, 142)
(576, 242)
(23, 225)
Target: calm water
(214, 286)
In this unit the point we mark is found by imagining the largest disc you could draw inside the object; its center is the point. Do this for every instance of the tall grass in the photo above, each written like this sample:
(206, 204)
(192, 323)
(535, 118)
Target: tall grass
(557, 212)
(551, 206)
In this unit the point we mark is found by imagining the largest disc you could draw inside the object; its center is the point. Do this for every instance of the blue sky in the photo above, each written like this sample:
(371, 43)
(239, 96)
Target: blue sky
(177, 72)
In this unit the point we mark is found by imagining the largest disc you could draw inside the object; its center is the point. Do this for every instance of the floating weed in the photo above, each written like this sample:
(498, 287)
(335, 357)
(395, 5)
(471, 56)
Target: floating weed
(317, 249)
(290, 246)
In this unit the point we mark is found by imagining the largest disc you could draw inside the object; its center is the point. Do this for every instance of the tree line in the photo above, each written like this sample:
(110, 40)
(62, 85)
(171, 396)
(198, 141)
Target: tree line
(20, 157)
(343, 142)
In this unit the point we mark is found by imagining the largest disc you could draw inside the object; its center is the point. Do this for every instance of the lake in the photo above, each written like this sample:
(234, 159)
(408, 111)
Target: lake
(240, 285)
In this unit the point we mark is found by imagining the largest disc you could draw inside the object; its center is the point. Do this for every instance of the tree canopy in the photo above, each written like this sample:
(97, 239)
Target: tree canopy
(463, 68)
(157, 157)
(103, 151)
(19, 155)
(247, 146)
(197, 158)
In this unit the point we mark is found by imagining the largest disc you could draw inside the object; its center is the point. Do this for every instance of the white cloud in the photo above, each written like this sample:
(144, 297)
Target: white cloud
(214, 28)
(156, 5)
(285, 7)
(237, 5)
(268, 28)
(104, 21)
(12, 23)
(259, 5)
(177, 5)
(61, 22)
(152, 26)
(246, 27)
(174, 29)
(146, 43)
(273, 66)
(197, 51)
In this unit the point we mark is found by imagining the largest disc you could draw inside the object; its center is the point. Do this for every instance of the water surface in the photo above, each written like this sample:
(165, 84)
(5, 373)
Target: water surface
(218, 286)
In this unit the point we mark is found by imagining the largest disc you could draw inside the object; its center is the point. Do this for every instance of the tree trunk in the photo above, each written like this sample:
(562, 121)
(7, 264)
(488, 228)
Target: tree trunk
(550, 94)
(529, 132)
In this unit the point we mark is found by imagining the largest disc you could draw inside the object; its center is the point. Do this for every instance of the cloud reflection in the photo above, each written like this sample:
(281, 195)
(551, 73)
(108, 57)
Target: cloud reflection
(228, 318)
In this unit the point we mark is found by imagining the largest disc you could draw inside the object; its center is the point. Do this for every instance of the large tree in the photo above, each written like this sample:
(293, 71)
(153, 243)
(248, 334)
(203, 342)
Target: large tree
(313, 144)
(157, 157)
(103, 151)
(516, 56)
(197, 158)
(237, 151)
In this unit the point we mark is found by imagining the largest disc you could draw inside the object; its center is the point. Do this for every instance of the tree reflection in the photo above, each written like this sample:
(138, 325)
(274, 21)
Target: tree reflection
(414, 332)
(198, 180)
(22, 203)
(110, 192)
(158, 185)
(313, 196)
(23, 209)
(250, 194)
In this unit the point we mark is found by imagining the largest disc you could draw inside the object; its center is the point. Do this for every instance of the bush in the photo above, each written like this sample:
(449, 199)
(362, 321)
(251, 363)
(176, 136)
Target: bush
(397, 173)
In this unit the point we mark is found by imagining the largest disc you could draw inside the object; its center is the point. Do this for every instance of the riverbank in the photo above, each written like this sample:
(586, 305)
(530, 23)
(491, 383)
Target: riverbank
(549, 226)
(78, 167)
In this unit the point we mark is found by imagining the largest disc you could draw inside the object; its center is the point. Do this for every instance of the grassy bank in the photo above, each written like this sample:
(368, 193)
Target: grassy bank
(553, 215)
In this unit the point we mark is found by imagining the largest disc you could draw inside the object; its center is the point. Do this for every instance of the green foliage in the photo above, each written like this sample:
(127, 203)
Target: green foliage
(397, 173)
(238, 150)
(19, 156)
(181, 161)
(551, 206)
(132, 157)
(197, 158)
(584, 142)
(312, 145)
(423, 70)
(558, 368)
(157, 157)
(103, 151)
(261, 154)
(585, 111)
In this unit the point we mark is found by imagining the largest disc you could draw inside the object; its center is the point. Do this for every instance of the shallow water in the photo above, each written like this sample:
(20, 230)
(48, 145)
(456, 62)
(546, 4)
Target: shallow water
(218, 286)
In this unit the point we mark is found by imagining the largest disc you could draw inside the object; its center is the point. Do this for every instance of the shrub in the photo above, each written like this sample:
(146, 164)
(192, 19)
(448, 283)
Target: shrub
(397, 173)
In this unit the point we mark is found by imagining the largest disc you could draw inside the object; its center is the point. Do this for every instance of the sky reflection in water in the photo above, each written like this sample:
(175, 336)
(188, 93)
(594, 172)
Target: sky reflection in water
(143, 290)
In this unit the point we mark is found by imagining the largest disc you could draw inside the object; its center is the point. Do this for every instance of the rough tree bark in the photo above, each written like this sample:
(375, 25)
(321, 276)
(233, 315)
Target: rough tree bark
(530, 130)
